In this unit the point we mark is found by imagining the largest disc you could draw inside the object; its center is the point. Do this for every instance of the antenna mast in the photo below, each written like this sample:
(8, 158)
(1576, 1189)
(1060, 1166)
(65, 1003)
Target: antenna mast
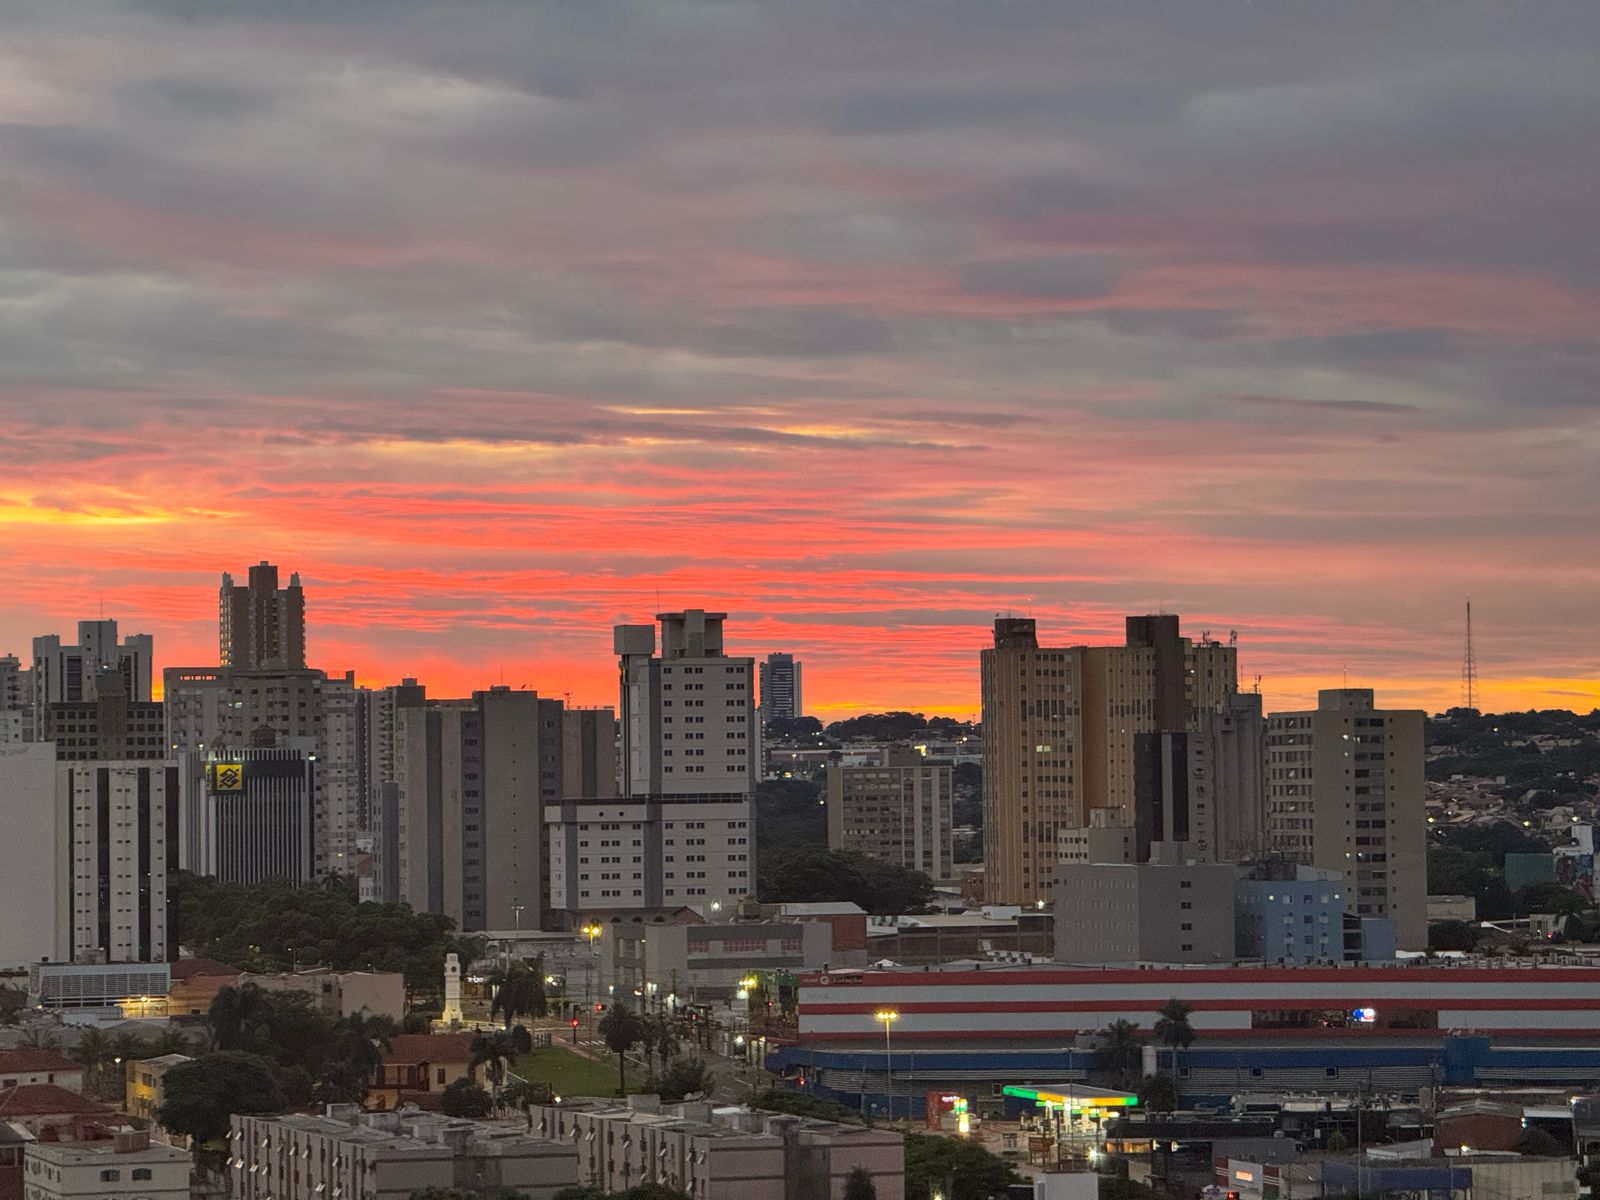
(1469, 667)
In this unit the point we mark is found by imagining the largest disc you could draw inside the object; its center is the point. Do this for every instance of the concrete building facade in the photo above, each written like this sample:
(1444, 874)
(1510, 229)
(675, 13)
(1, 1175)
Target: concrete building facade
(1345, 794)
(473, 778)
(721, 1153)
(899, 813)
(682, 829)
(125, 1166)
(1294, 917)
(251, 816)
(390, 1155)
(695, 962)
(1059, 730)
(67, 674)
(1165, 911)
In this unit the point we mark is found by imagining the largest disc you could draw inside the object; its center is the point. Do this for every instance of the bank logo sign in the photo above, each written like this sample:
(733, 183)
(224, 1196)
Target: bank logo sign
(227, 777)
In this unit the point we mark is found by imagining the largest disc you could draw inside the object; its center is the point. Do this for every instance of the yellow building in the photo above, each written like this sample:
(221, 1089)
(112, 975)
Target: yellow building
(1059, 730)
(144, 1090)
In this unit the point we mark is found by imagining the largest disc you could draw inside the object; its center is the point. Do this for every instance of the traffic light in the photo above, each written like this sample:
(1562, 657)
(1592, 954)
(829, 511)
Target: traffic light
(598, 1007)
(574, 1023)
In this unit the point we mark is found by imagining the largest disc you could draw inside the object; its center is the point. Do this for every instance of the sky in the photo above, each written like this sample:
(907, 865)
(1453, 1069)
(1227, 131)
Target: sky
(504, 322)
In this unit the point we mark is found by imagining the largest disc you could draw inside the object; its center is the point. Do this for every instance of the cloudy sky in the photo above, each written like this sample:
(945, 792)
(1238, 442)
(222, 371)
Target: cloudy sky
(504, 322)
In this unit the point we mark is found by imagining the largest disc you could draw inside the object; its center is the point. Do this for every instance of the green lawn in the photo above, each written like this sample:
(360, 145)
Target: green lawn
(571, 1074)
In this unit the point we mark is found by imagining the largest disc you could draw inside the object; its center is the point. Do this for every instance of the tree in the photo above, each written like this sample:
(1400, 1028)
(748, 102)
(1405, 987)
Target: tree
(582, 1191)
(492, 1051)
(858, 1185)
(463, 1098)
(12, 1001)
(521, 1041)
(811, 873)
(1120, 1051)
(1451, 935)
(1540, 1143)
(202, 1096)
(804, 1104)
(622, 1031)
(92, 1051)
(683, 1077)
(957, 1168)
(650, 1191)
(519, 992)
(1158, 1093)
(1172, 1030)
(359, 1044)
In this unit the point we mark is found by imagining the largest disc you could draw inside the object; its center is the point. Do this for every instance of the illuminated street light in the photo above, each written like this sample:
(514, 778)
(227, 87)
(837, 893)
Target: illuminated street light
(887, 1017)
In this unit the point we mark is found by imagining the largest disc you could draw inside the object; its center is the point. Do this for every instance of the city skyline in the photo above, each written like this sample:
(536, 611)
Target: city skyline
(858, 323)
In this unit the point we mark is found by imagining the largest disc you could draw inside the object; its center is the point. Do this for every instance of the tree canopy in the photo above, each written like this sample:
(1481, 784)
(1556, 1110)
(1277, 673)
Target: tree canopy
(812, 873)
(971, 1172)
(275, 926)
(463, 1098)
(203, 1095)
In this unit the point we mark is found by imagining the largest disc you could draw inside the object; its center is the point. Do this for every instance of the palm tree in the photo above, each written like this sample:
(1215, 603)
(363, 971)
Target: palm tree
(41, 1039)
(622, 1031)
(492, 1051)
(359, 1044)
(518, 992)
(1173, 1030)
(667, 1042)
(1120, 1051)
(93, 1051)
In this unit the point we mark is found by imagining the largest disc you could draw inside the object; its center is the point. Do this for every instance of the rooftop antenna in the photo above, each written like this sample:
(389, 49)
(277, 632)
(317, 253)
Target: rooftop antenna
(1469, 667)
(1258, 685)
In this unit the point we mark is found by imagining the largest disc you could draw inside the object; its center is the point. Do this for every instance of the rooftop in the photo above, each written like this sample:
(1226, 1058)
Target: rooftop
(27, 1059)
(413, 1048)
(65, 1152)
(46, 1099)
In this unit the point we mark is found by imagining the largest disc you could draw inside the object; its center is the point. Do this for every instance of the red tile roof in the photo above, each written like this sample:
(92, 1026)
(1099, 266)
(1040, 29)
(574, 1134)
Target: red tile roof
(25, 1060)
(411, 1048)
(47, 1100)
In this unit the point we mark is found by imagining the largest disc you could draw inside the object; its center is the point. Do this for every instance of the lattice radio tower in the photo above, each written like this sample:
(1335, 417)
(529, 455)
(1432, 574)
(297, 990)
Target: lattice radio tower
(1469, 667)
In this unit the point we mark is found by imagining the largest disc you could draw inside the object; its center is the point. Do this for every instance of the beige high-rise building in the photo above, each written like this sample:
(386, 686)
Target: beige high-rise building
(898, 813)
(1345, 790)
(1059, 729)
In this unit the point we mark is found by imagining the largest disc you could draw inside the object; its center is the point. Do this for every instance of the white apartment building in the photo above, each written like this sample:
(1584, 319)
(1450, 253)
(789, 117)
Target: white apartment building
(721, 1153)
(351, 1155)
(682, 831)
(34, 855)
(123, 821)
(1345, 793)
(126, 1166)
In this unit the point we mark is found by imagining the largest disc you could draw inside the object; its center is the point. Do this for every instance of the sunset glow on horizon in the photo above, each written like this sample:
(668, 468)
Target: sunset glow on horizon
(863, 324)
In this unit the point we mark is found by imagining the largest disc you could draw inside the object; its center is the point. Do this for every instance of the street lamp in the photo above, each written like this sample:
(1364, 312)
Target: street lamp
(888, 1017)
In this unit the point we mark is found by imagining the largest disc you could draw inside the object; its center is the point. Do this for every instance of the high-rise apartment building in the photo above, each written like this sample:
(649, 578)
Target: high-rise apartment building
(898, 813)
(261, 626)
(16, 701)
(123, 819)
(382, 816)
(1345, 793)
(682, 832)
(473, 778)
(68, 674)
(1059, 730)
(780, 688)
(346, 710)
(1205, 787)
(35, 853)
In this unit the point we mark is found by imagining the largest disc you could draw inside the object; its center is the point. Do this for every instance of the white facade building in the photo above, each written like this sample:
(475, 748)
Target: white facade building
(34, 856)
(123, 821)
(682, 831)
(126, 1166)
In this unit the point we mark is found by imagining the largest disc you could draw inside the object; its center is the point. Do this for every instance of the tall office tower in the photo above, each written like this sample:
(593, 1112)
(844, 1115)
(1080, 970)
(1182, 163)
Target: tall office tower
(1059, 726)
(124, 823)
(67, 674)
(898, 813)
(780, 688)
(473, 777)
(589, 752)
(251, 818)
(1205, 787)
(343, 777)
(109, 725)
(261, 626)
(1345, 793)
(682, 831)
(381, 818)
